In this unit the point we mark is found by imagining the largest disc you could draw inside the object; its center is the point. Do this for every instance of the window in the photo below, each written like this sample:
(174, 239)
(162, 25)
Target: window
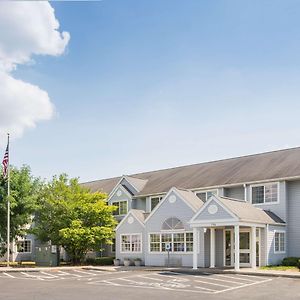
(267, 193)
(205, 195)
(121, 208)
(155, 201)
(166, 238)
(189, 241)
(179, 242)
(172, 223)
(279, 243)
(24, 246)
(131, 243)
(154, 242)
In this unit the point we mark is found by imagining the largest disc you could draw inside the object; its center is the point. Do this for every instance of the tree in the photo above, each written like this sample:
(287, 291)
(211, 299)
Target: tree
(24, 190)
(69, 215)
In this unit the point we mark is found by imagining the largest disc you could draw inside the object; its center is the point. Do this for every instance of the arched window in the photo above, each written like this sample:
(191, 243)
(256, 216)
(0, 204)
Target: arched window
(172, 224)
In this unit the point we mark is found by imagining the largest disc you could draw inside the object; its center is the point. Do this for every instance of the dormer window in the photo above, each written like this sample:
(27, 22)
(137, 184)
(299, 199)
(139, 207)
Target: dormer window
(205, 195)
(154, 201)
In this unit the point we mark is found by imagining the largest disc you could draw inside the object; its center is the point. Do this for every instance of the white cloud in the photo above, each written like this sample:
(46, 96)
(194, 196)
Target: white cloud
(26, 29)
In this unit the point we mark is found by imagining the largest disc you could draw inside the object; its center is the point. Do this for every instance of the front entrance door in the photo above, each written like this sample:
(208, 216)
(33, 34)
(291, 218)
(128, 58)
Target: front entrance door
(245, 244)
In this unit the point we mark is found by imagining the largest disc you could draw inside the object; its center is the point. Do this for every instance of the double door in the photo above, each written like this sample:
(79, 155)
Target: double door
(245, 247)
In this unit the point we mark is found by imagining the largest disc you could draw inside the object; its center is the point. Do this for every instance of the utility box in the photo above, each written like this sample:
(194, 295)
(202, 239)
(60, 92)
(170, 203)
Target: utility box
(46, 255)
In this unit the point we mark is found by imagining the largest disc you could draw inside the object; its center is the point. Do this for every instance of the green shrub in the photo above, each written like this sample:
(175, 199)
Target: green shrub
(291, 261)
(100, 261)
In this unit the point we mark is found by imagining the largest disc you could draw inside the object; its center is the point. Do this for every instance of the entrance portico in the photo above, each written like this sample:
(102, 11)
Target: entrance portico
(229, 228)
(241, 245)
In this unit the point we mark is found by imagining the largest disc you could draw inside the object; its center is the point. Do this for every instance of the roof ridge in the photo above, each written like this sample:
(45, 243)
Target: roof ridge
(218, 160)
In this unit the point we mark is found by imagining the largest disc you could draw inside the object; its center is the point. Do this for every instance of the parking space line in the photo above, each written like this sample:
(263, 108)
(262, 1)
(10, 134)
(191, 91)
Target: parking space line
(8, 275)
(205, 289)
(84, 272)
(235, 277)
(242, 286)
(31, 276)
(147, 277)
(213, 283)
(224, 280)
(69, 274)
(49, 275)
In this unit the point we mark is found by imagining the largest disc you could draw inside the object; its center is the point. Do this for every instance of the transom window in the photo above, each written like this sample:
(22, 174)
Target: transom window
(178, 241)
(172, 224)
(154, 201)
(205, 195)
(24, 246)
(267, 193)
(121, 208)
(279, 243)
(131, 243)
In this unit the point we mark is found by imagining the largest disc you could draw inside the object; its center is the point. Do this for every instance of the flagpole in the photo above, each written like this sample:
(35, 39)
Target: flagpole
(8, 206)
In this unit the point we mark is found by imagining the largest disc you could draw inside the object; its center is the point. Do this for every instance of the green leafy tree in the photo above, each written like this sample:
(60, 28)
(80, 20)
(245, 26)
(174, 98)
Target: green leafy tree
(24, 191)
(71, 216)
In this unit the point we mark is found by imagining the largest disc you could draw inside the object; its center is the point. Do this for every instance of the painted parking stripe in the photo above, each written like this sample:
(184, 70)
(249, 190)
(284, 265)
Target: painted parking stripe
(200, 290)
(9, 275)
(235, 277)
(224, 280)
(69, 274)
(31, 276)
(242, 286)
(148, 277)
(213, 283)
(206, 289)
(84, 272)
(48, 275)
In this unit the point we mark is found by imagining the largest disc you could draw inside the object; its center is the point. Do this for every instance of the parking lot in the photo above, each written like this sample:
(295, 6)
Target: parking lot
(93, 284)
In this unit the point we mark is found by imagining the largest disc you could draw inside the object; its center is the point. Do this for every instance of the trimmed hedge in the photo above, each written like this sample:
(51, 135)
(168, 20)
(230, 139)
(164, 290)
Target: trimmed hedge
(100, 261)
(291, 261)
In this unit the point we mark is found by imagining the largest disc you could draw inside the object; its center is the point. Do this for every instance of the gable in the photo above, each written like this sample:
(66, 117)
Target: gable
(119, 194)
(212, 211)
(130, 224)
(172, 205)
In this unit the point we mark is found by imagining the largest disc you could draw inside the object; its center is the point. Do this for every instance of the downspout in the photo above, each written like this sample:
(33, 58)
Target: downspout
(245, 192)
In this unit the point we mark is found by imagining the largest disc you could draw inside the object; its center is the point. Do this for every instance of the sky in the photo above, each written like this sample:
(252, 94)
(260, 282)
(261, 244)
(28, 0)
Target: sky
(105, 88)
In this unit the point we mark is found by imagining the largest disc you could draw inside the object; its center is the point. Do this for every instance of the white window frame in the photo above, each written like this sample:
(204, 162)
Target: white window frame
(172, 242)
(284, 242)
(118, 201)
(160, 198)
(23, 241)
(264, 185)
(130, 239)
(207, 191)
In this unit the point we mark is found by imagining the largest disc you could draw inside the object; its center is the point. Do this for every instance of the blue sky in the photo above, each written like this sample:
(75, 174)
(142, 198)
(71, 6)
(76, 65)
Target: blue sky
(146, 85)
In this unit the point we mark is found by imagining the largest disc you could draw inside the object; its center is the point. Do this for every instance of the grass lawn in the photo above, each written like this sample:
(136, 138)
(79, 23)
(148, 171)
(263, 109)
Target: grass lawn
(280, 268)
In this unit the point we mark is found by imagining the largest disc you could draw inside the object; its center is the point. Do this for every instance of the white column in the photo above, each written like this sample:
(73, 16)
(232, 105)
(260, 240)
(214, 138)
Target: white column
(212, 248)
(236, 247)
(195, 248)
(253, 247)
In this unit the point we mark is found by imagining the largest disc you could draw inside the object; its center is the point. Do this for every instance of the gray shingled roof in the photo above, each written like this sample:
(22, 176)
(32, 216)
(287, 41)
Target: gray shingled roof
(191, 198)
(246, 212)
(264, 166)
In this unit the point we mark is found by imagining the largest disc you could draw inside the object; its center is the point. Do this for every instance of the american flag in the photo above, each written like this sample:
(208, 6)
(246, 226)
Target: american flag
(5, 162)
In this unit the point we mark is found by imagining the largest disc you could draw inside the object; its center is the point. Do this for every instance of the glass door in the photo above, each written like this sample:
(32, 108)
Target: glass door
(228, 255)
(245, 247)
